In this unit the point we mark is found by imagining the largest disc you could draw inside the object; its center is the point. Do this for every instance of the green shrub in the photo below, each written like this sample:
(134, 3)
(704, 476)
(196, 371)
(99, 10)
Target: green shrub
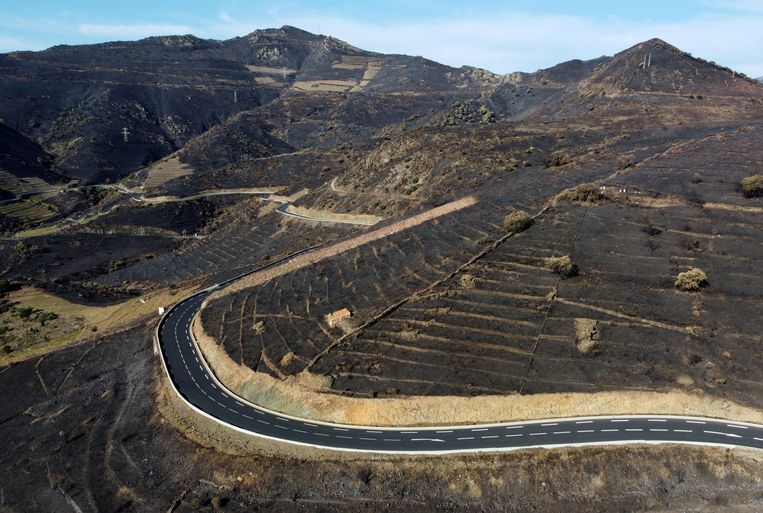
(691, 280)
(752, 186)
(517, 221)
(44, 317)
(25, 312)
(563, 266)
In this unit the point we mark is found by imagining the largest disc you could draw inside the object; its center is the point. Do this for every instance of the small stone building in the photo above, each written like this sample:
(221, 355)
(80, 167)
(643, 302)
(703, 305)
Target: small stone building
(334, 318)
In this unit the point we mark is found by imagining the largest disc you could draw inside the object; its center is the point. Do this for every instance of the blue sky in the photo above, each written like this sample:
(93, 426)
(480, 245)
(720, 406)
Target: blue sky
(518, 35)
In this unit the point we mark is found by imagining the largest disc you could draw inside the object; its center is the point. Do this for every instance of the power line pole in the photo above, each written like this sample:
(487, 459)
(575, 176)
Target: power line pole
(235, 96)
(125, 133)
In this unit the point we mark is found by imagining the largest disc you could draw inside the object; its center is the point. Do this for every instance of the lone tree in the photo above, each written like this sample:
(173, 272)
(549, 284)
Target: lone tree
(752, 186)
(691, 280)
(563, 266)
(517, 221)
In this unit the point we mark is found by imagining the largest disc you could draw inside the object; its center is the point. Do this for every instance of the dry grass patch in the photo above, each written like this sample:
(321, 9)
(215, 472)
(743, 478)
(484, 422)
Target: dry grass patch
(583, 193)
(166, 170)
(73, 322)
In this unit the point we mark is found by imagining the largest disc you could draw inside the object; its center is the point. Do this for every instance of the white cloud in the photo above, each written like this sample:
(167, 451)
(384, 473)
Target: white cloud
(137, 30)
(225, 17)
(12, 44)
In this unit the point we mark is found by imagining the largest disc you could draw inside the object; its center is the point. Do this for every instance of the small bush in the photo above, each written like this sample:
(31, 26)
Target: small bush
(694, 198)
(583, 193)
(199, 502)
(651, 228)
(218, 502)
(25, 312)
(752, 186)
(624, 161)
(487, 115)
(563, 266)
(558, 158)
(517, 221)
(44, 317)
(691, 280)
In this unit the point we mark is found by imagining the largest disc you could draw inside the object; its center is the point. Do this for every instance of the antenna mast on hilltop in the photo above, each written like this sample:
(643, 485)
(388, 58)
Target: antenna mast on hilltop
(125, 133)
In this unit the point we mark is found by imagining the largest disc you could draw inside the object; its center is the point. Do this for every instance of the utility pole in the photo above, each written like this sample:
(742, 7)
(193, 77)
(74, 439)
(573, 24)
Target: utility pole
(235, 96)
(125, 133)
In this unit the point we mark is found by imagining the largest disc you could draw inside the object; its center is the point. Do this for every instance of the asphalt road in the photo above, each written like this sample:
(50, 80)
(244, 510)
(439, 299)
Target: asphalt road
(195, 383)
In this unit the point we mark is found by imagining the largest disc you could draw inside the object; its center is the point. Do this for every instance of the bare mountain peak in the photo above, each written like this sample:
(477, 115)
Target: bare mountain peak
(182, 41)
(657, 66)
(286, 32)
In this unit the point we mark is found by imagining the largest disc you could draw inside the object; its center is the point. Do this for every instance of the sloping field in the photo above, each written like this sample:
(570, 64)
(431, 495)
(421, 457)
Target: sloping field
(325, 86)
(16, 185)
(30, 209)
(164, 171)
(507, 324)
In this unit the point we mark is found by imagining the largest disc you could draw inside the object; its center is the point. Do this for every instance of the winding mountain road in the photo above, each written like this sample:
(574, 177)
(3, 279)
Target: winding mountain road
(197, 386)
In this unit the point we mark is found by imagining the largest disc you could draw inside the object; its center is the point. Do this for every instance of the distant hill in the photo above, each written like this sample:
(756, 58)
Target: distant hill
(77, 101)
(104, 111)
(656, 66)
(24, 161)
